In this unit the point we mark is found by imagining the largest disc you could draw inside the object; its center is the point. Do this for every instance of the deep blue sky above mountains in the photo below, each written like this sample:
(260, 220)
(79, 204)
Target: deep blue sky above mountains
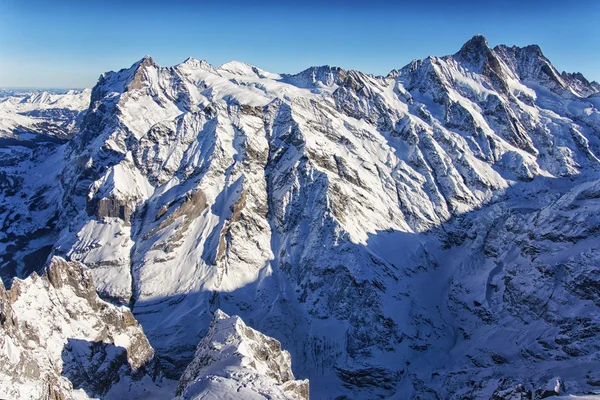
(69, 43)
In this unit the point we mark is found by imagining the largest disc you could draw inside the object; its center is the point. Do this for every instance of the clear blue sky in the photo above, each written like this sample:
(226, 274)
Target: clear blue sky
(69, 43)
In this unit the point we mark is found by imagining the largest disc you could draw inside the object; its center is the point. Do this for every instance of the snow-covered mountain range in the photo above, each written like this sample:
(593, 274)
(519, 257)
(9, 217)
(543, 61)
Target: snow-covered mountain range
(431, 234)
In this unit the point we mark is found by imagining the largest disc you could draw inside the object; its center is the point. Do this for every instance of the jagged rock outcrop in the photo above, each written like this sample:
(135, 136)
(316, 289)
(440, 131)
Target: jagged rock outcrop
(238, 362)
(58, 340)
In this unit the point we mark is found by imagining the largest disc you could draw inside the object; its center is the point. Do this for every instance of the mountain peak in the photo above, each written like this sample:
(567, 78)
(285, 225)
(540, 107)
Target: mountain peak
(475, 50)
(191, 60)
(146, 61)
(239, 68)
(534, 48)
(255, 363)
(477, 40)
(194, 63)
(530, 64)
(324, 75)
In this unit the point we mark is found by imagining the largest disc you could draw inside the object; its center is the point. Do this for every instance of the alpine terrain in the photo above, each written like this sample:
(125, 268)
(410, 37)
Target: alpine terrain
(433, 233)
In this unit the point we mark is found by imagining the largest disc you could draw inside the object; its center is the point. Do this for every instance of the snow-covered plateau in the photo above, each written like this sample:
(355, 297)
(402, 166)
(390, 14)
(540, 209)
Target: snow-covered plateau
(430, 234)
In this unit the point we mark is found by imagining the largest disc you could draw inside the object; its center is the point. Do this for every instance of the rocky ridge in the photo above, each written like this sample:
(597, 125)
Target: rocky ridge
(235, 358)
(60, 341)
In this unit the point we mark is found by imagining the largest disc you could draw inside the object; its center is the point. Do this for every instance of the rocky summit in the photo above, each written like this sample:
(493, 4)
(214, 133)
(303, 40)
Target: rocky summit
(233, 358)
(434, 233)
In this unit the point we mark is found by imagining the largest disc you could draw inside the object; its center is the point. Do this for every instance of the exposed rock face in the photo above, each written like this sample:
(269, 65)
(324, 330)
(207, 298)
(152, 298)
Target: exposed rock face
(386, 230)
(58, 340)
(240, 362)
(110, 207)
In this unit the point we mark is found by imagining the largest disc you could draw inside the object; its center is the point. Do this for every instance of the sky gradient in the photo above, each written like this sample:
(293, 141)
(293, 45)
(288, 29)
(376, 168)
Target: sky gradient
(64, 44)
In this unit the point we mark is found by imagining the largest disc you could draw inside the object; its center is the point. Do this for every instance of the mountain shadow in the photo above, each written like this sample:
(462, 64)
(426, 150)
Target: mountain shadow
(96, 367)
(494, 298)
